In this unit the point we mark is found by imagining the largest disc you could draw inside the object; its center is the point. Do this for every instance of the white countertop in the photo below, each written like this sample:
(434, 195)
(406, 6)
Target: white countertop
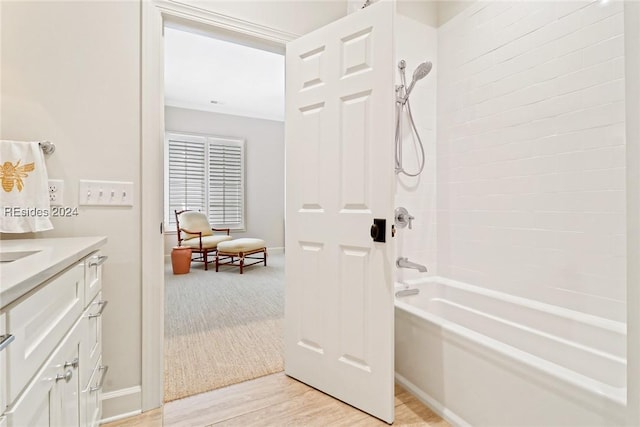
(54, 255)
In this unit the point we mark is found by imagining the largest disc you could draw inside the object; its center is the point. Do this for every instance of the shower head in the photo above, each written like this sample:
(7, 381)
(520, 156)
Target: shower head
(420, 72)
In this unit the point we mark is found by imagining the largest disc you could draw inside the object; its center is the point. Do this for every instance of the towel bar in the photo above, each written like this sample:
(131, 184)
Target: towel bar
(47, 147)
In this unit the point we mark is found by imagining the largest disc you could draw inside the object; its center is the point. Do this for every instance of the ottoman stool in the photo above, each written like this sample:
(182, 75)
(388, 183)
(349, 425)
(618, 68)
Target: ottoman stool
(241, 249)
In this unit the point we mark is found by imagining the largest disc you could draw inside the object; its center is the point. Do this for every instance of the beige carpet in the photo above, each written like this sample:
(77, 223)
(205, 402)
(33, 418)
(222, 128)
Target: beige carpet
(222, 328)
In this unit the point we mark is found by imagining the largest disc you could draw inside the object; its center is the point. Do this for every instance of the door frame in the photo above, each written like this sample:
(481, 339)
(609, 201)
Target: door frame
(154, 13)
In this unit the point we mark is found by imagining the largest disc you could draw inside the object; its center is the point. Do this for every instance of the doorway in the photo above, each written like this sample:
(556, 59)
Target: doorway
(223, 93)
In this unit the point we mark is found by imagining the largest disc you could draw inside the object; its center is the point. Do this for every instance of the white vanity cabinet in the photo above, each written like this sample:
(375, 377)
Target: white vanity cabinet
(39, 321)
(51, 374)
(5, 341)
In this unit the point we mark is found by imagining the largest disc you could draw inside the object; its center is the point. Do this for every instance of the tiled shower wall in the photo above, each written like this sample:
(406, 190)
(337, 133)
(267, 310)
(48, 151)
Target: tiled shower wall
(531, 154)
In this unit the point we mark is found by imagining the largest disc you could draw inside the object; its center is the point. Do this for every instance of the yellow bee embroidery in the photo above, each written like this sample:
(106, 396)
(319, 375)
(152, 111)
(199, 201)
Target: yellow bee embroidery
(12, 175)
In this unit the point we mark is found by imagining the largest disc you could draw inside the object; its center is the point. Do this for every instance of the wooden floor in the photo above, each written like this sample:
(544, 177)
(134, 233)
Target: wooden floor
(276, 400)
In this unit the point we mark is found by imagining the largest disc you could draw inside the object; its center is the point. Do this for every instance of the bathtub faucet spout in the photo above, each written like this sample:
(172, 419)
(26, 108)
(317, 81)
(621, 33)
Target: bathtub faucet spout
(403, 262)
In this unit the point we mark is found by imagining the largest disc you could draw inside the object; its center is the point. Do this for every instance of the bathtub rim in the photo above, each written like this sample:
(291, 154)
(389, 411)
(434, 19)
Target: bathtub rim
(617, 395)
(600, 322)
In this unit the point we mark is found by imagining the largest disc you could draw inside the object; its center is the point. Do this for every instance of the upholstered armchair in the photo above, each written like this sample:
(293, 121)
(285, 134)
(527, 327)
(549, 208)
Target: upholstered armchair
(194, 231)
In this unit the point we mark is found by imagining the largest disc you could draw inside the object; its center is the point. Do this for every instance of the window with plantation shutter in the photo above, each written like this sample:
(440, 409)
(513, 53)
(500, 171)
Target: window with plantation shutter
(206, 174)
(226, 198)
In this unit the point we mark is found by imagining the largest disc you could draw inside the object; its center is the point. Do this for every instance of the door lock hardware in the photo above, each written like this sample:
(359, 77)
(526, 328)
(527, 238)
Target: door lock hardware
(379, 230)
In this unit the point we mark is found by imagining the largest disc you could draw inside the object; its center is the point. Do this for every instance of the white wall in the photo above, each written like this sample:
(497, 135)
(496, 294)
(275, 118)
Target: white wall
(264, 151)
(70, 74)
(416, 42)
(447, 9)
(531, 152)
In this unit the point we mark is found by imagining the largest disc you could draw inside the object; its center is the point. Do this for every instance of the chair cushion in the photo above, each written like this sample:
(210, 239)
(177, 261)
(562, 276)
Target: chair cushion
(194, 221)
(241, 245)
(208, 242)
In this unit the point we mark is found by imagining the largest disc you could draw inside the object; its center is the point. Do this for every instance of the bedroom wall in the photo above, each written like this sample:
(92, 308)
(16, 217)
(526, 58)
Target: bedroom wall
(264, 150)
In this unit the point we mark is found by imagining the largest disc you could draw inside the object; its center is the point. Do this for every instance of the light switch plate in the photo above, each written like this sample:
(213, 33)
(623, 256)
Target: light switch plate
(105, 193)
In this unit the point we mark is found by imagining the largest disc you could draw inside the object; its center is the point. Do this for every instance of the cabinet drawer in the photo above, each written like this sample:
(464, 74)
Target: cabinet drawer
(93, 275)
(91, 348)
(39, 322)
(51, 399)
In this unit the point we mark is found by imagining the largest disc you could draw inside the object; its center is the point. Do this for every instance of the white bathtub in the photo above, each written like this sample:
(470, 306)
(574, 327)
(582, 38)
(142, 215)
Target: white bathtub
(484, 358)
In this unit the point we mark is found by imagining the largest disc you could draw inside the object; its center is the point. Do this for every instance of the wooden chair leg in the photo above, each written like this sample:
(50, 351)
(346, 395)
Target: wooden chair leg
(264, 254)
(241, 262)
(206, 260)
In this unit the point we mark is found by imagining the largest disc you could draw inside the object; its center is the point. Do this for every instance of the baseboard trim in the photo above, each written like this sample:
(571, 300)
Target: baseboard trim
(123, 403)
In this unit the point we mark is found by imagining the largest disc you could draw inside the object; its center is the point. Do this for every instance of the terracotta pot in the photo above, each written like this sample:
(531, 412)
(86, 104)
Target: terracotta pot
(181, 259)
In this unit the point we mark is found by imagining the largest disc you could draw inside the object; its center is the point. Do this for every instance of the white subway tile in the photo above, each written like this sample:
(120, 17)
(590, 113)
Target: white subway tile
(591, 117)
(570, 43)
(584, 78)
(600, 10)
(608, 92)
(619, 156)
(604, 51)
(564, 8)
(618, 68)
(513, 15)
(569, 63)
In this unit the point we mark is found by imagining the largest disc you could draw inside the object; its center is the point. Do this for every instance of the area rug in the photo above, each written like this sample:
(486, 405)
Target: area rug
(222, 328)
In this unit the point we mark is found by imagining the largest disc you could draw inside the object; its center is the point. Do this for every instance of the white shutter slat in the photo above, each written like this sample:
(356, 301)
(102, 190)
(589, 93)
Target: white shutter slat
(226, 183)
(186, 176)
(205, 173)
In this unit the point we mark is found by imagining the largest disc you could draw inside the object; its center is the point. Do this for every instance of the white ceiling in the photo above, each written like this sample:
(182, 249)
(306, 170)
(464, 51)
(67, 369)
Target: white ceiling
(243, 80)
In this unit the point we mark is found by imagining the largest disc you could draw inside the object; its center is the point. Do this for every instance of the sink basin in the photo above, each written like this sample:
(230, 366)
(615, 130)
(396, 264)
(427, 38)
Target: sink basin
(13, 256)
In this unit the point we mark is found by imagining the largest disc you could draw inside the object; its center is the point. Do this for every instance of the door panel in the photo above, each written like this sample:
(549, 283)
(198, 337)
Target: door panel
(339, 160)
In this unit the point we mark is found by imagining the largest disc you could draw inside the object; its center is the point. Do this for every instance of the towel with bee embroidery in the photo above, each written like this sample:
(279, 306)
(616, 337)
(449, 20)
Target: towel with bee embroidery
(24, 194)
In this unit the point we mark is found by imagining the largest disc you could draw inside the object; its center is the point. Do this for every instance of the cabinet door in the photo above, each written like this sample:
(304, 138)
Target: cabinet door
(51, 399)
(92, 396)
(63, 398)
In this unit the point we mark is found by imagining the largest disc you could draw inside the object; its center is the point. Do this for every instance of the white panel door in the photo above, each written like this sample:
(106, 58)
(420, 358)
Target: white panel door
(339, 164)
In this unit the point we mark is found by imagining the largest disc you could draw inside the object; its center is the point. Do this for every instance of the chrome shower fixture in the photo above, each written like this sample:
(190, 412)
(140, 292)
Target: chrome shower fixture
(402, 103)
(402, 218)
(419, 73)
